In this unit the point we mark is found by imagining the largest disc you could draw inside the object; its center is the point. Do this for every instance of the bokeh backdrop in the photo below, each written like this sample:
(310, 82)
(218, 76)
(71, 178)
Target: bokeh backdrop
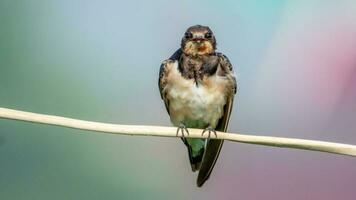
(99, 60)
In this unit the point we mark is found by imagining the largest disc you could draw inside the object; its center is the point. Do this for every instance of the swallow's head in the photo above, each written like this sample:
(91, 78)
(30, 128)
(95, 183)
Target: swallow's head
(198, 40)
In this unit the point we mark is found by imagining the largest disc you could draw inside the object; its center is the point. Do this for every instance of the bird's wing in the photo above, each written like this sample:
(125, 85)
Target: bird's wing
(213, 147)
(162, 80)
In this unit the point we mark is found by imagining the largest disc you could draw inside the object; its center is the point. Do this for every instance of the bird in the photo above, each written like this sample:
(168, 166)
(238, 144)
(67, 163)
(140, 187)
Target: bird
(197, 85)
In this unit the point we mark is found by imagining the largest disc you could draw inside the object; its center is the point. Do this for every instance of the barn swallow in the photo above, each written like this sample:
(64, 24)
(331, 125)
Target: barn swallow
(197, 85)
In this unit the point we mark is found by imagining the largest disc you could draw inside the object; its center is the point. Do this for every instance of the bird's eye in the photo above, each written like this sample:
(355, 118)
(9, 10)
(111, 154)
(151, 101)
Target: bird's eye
(208, 35)
(188, 35)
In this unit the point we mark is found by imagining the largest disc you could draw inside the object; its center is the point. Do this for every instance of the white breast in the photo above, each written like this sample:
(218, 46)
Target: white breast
(196, 105)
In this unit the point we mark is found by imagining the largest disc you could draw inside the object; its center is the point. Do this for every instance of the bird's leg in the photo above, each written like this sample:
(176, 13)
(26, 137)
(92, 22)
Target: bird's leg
(182, 128)
(209, 129)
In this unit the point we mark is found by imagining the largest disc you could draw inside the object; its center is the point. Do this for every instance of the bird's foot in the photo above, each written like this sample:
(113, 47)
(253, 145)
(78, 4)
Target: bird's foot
(182, 128)
(209, 129)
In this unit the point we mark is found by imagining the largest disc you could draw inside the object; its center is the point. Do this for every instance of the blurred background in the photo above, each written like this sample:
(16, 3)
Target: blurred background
(99, 60)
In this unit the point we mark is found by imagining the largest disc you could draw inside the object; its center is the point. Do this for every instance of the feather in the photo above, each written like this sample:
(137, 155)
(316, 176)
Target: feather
(213, 147)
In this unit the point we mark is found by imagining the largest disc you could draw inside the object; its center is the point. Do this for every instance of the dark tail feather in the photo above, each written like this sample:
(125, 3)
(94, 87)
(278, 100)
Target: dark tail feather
(213, 147)
(211, 155)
